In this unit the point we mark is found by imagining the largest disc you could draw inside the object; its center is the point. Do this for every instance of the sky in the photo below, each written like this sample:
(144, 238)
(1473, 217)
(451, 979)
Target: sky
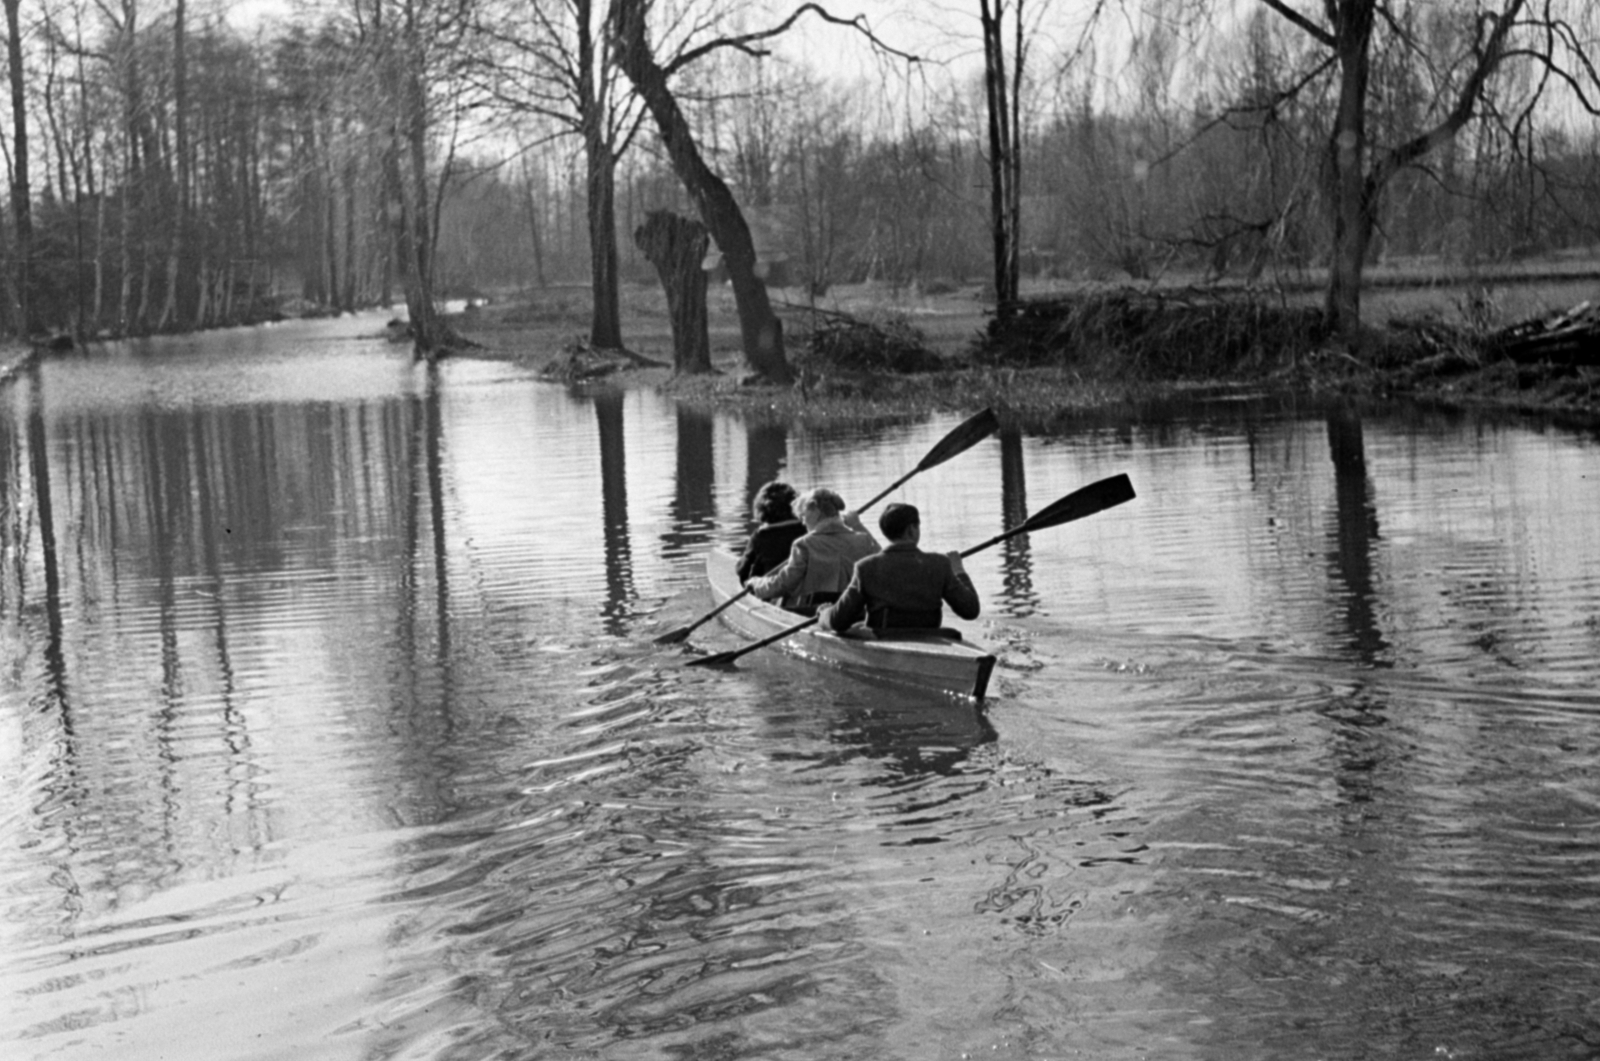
(939, 31)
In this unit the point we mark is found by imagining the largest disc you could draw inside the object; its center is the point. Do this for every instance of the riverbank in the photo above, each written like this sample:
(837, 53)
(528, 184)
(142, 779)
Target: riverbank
(14, 357)
(1426, 347)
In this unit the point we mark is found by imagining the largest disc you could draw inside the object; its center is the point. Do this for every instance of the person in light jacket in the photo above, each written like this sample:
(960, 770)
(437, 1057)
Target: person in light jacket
(820, 562)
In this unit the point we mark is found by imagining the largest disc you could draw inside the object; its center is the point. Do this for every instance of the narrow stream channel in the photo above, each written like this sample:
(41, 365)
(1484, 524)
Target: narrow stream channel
(331, 727)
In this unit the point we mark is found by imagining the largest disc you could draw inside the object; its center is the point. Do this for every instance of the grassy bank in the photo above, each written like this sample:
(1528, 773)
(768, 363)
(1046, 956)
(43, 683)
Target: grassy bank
(873, 351)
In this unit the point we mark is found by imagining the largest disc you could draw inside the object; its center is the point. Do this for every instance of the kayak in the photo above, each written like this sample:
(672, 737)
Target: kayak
(936, 660)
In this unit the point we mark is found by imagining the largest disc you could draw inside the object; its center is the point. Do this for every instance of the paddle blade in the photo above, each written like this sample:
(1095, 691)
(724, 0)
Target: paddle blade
(674, 637)
(961, 438)
(716, 659)
(1096, 497)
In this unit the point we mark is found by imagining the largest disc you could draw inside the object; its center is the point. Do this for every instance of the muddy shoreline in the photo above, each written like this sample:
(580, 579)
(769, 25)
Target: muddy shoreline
(547, 335)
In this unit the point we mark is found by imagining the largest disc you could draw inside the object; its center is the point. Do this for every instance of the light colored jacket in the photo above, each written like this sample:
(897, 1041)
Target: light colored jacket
(820, 562)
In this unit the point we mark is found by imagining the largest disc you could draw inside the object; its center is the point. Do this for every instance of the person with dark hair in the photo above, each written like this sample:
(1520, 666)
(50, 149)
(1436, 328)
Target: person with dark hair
(820, 562)
(903, 587)
(769, 544)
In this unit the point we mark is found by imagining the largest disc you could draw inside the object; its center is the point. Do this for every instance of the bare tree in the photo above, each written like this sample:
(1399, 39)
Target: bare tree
(21, 194)
(760, 328)
(415, 47)
(1003, 96)
(1498, 34)
(551, 59)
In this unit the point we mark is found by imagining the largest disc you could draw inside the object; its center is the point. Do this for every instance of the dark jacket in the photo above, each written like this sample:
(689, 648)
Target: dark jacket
(903, 587)
(768, 547)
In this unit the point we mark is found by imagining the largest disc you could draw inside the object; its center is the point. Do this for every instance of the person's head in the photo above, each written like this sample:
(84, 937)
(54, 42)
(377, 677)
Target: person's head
(818, 504)
(774, 503)
(899, 521)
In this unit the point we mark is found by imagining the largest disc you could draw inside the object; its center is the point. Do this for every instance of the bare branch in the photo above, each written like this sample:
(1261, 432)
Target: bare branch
(749, 43)
(1325, 38)
(1490, 52)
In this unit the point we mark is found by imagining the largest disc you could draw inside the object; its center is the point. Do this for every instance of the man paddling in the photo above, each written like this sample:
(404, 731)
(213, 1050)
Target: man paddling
(903, 587)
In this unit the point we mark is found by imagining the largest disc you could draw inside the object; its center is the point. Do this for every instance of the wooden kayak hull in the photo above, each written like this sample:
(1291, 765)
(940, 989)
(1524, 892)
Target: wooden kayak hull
(924, 661)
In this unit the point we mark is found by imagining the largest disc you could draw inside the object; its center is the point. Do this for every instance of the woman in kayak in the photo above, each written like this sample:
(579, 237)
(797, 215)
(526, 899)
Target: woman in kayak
(821, 562)
(769, 543)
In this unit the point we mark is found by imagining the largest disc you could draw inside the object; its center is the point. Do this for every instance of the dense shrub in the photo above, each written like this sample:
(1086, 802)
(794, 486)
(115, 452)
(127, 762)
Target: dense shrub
(1168, 335)
(843, 343)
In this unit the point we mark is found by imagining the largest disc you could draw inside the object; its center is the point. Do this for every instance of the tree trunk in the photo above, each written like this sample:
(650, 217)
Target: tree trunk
(676, 246)
(536, 230)
(330, 237)
(605, 330)
(21, 194)
(1004, 157)
(348, 296)
(760, 329)
(419, 299)
(1352, 198)
(180, 222)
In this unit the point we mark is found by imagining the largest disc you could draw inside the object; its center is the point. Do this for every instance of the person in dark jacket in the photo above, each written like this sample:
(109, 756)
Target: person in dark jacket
(903, 587)
(769, 543)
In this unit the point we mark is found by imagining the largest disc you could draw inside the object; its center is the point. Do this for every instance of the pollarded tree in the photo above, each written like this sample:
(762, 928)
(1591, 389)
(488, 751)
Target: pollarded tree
(760, 329)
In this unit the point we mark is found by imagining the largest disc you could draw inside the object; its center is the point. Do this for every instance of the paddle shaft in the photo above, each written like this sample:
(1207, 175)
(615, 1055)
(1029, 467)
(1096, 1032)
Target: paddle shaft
(959, 439)
(718, 610)
(891, 489)
(1086, 501)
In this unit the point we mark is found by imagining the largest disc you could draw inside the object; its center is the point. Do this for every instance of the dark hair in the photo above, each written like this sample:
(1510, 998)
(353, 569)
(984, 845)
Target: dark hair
(897, 519)
(774, 503)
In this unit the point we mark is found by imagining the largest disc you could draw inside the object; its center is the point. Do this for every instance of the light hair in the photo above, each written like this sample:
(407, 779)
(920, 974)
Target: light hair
(826, 501)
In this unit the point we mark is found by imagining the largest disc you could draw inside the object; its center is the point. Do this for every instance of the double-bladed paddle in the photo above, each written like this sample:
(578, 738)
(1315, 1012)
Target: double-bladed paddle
(1096, 497)
(961, 438)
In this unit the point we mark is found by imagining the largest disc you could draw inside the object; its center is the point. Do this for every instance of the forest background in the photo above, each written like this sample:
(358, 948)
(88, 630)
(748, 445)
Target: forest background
(175, 165)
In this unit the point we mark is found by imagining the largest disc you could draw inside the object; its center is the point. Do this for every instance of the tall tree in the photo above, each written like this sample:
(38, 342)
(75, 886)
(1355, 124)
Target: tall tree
(760, 329)
(552, 61)
(21, 193)
(1359, 171)
(180, 192)
(415, 48)
(1003, 97)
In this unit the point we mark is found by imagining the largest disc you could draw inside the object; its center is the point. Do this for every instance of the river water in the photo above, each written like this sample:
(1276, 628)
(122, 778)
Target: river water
(331, 727)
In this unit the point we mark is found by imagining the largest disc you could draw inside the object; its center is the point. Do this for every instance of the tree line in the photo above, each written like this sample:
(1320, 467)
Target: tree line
(170, 172)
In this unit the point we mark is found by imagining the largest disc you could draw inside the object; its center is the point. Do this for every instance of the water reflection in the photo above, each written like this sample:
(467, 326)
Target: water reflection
(1018, 593)
(1356, 532)
(432, 441)
(330, 719)
(614, 511)
(766, 457)
(693, 511)
(39, 466)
